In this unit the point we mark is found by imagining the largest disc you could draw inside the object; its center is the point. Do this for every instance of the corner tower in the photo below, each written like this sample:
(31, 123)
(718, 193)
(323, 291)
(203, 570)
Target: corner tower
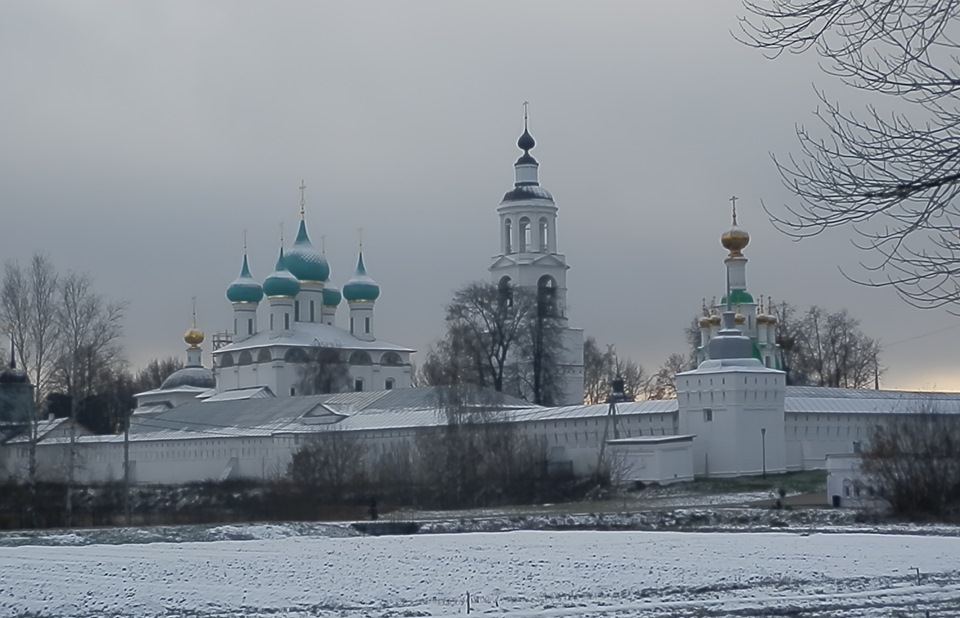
(529, 256)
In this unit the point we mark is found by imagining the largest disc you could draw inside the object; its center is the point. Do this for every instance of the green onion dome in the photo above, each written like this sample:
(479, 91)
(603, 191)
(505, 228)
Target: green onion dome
(305, 262)
(361, 287)
(738, 297)
(281, 281)
(244, 289)
(331, 296)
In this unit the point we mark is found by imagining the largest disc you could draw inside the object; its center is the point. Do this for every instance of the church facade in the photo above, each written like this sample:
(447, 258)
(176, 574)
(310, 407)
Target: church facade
(300, 324)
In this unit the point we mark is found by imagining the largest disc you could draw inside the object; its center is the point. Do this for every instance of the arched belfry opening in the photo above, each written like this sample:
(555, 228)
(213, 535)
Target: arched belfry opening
(524, 234)
(547, 296)
(508, 237)
(505, 291)
(542, 235)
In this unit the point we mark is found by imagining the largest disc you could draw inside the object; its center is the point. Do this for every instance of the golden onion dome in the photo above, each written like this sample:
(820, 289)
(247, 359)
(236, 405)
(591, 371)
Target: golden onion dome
(739, 318)
(765, 319)
(735, 240)
(193, 337)
(715, 320)
(704, 322)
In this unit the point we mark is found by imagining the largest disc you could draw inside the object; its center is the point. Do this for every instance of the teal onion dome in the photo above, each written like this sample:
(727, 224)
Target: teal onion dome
(305, 262)
(738, 297)
(361, 287)
(244, 289)
(331, 296)
(281, 281)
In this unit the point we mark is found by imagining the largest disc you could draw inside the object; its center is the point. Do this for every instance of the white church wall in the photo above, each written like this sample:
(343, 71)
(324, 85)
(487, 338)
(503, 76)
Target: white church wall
(737, 416)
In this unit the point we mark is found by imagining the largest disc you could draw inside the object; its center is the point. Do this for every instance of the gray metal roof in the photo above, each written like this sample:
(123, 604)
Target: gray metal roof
(310, 334)
(822, 400)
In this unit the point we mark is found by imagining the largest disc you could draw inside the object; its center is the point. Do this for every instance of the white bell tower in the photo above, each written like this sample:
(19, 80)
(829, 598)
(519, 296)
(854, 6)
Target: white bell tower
(529, 257)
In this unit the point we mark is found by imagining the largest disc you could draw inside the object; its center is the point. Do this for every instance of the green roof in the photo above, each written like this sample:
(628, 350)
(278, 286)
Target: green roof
(738, 297)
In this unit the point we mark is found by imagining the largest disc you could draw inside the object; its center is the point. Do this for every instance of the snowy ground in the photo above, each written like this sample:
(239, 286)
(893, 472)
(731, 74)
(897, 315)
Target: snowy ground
(523, 573)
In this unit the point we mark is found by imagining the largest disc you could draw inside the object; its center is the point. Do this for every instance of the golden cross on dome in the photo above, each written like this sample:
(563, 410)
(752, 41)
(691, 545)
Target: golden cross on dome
(194, 301)
(526, 104)
(733, 200)
(303, 197)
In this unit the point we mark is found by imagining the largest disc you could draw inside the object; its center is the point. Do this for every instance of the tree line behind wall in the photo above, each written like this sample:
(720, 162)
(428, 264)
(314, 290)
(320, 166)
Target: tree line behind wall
(67, 337)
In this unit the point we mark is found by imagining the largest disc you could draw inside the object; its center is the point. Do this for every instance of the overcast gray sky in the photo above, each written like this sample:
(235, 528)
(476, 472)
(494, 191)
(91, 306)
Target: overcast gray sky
(139, 140)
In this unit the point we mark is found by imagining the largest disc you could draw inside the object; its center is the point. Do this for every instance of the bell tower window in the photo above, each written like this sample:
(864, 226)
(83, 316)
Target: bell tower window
(507, 237)
(543, 235)
(524, 235)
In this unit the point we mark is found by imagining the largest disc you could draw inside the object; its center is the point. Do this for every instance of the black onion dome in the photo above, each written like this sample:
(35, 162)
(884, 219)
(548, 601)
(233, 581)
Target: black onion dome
(199, 377)
(527, 192)
(526, 141)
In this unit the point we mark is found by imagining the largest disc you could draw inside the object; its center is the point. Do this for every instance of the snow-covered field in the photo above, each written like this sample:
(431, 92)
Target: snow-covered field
(523, 573)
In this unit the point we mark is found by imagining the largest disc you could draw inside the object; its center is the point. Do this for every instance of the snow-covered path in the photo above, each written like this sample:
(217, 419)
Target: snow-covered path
(517, 573)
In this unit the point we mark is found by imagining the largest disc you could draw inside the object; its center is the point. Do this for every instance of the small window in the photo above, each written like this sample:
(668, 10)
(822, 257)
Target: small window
(351, 326)
(358, 385)
(296, 311)
(286, 321)
(250, 326)
(313, 317)
(293, 391)
(708, 415)
(388, 385)
(366, 325)
(271, 321)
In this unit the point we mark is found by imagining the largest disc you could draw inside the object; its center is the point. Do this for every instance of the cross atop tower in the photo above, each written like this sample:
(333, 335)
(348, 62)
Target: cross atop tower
(733, 200)
(303, 197)
(526, 105)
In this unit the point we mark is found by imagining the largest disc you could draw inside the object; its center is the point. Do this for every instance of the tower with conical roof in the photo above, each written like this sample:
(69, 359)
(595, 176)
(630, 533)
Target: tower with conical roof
(281, 289)
(311, 269)
(245, 295)
(361, 293)
(529, 256)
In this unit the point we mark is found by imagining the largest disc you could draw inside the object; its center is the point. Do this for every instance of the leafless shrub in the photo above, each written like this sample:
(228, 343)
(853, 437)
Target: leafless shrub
(330, 465)
(914, 460)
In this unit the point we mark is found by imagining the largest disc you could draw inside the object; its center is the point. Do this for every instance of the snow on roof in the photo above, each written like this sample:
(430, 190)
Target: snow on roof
(199, 390)
(257, 392)
(153, 408)
(44, 427)
(309, 334)
(653, 439)
(823, 400)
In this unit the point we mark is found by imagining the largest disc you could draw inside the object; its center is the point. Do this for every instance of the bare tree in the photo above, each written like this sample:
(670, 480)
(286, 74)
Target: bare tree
(892, 176)
(914, 460)
(324, 370)
(821, 348)
(600, 368)
(507, 338)
(90, 330)
(28, 305)
(663, 384)
(330, 463)
(155, 372)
